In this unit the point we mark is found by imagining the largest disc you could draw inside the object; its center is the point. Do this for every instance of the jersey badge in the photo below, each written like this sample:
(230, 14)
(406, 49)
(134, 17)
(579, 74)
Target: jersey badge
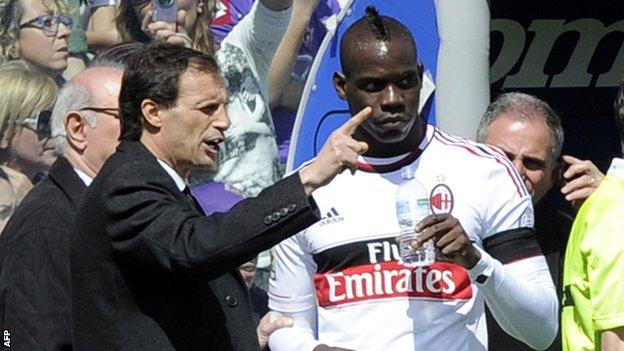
(441, 199)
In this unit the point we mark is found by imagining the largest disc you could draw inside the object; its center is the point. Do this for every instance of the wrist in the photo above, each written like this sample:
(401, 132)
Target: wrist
(306, 176)
(472, 257)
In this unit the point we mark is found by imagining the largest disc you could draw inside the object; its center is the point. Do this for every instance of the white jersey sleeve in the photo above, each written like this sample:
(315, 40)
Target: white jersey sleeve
(506, 202)
(292, 293)
(512, 274)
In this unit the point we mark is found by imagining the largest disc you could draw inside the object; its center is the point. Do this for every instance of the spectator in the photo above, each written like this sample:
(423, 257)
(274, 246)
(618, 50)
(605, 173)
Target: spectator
(346, 269)
(149, 270)
(36, 31)
(26, 97)
(259, 298)
(593, 312)
(529, 132)
(13, 187)
(249, 159)
(98, 19)
(292, 63)
(34, 250)
(293, 60)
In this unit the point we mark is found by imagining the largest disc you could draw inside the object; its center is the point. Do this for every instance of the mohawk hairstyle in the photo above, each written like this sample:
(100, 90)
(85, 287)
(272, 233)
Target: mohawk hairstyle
(377, 24)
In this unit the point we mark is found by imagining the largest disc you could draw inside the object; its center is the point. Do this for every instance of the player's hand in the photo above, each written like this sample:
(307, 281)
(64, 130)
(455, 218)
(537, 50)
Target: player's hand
(449, 237)
(324, 347)
(580, 180)
(340, 152)
(266, 327)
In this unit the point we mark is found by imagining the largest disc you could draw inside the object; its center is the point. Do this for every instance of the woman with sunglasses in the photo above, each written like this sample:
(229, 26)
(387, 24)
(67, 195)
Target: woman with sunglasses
(26, 98)
(36, 31)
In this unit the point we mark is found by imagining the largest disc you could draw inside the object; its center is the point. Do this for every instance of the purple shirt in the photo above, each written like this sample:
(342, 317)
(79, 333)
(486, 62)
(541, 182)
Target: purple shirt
(213, 197)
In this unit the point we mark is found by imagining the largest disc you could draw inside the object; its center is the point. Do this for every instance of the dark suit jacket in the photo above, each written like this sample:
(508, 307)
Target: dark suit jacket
(34, 263)
(150, 272)
(552, 229)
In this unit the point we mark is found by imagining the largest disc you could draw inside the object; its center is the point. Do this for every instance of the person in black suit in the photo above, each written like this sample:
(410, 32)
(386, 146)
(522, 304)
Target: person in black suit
(149, 270)
(34, 248)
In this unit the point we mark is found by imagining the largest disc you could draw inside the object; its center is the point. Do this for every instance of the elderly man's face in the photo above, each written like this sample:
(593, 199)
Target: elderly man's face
(103, 137)
(193, 128)
(527, 143)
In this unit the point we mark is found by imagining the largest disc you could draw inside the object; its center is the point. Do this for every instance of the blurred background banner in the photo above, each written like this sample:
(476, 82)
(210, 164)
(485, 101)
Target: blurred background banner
(570, 54)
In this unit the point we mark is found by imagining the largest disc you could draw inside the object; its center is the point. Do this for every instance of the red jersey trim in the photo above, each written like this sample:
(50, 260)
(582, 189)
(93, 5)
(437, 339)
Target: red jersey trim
(483, 152)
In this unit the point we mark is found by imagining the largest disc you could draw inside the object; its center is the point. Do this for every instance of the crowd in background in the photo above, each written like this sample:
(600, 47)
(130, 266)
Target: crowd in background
(265, 50)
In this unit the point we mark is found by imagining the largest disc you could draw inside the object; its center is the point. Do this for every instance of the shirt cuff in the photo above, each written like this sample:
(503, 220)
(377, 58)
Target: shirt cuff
(483, 270)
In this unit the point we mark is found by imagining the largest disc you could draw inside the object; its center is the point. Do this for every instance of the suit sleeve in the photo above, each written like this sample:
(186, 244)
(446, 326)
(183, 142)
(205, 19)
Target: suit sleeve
(153, 225)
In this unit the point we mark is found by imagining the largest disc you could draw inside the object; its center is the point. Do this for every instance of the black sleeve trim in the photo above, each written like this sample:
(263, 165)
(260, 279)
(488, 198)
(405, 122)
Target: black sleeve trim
(512, 245)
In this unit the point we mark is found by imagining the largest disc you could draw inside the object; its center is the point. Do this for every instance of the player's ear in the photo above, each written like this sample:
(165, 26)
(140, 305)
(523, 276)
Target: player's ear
(340, 84)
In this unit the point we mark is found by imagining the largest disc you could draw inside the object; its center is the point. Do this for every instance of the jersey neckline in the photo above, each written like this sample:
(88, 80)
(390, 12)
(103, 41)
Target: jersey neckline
(391, 164)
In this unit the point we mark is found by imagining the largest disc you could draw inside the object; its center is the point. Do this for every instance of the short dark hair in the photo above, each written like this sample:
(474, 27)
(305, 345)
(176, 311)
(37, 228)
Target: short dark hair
(153, 72)
(619, 109)
(373, 26)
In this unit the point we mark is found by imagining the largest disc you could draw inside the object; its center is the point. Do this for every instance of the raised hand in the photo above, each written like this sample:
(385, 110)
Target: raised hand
(449, 237)
(173, 33)
(580, 179)
(339, 153)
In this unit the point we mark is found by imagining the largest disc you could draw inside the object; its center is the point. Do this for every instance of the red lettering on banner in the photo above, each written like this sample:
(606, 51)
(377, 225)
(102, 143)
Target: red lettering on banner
(441, 280)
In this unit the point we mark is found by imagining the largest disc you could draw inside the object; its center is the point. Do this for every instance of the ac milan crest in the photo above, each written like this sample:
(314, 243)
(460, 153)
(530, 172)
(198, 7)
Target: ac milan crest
(441, 199)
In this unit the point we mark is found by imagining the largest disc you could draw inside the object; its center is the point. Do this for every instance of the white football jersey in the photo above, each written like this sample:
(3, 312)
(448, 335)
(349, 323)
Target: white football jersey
(347, 266)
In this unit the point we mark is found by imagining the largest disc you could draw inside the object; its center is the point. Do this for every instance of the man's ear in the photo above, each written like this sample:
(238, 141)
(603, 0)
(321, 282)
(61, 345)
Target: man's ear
(421, 71)
(151, 113)
(75, 128)
(340, 83)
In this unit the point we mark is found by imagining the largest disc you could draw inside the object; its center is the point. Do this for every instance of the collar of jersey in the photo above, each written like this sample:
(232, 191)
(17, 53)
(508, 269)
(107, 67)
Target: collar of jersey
(391, 164)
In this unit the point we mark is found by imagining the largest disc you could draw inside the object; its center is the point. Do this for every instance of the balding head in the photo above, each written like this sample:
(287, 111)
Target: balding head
(372, 29)
(85, 120)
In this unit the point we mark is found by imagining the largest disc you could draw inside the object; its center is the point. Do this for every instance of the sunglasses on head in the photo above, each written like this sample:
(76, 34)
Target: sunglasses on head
(42, 122)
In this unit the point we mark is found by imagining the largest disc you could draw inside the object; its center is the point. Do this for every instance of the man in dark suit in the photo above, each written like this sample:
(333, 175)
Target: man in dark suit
(34, 248)
(149, 270)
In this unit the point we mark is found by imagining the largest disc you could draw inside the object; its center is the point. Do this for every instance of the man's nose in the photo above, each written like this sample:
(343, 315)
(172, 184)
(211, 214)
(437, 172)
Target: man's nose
(392, 97)
(223, 120)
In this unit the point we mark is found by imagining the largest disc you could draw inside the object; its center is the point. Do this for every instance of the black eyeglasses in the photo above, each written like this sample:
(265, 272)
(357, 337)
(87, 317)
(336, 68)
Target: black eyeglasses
(113, 111)
(49, 24)
(41, 121)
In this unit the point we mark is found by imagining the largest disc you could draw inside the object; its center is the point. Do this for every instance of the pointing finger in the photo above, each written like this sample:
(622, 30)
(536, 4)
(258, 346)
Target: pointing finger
(351, 125)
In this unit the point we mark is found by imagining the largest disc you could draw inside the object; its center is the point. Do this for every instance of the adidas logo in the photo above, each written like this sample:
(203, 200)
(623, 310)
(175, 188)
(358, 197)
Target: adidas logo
(331, 217)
